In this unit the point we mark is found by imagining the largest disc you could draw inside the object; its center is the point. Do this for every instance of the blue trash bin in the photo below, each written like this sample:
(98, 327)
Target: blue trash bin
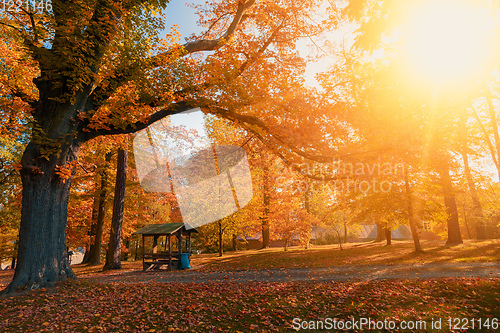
(185, 261)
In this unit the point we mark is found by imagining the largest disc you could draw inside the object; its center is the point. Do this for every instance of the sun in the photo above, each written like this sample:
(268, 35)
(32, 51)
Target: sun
(448, 41)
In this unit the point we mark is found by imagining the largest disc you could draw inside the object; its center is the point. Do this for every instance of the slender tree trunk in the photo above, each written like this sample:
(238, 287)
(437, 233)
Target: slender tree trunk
(388, 236)
(266, 202)
(14, 255)
(235, 247)
(494, 124)
(466, 220)
(221, 245)
(96, 245)
(42, 253)
(113, 256)
(411, 213)
(488, 142)
(126, 254)
(454, 235)
(477, 208)
(345, 229)
(86, 256)
(92, 231)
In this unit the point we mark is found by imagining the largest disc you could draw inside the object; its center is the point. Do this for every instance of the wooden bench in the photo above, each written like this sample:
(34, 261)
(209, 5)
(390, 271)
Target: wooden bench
(154, 261)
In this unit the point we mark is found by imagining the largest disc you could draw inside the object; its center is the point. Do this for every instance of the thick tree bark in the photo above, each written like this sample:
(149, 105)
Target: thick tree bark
(42, 253)
(454, 235)
(113, 256)
(411, 213)
(100, 213)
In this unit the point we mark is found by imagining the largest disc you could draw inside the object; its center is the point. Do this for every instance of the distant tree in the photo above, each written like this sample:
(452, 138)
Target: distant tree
(113, 255)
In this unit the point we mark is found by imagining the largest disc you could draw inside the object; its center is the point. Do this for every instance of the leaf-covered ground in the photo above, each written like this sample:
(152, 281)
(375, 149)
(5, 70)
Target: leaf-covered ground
(245, 307)
(354, 254)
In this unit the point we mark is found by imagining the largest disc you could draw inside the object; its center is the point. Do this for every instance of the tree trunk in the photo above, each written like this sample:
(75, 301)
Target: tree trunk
(265, 218)
(477, 208)
(494, 125)
(380, 233)
(454, 236)
(411, 213)
(388, 236)
(96, 245)
(93, 229)
(345, 229)
(113, 256)
(235, 244)
(466, 220)
(221, 245)
(488, 142)
(14, 255)
(86, 256)
(42, 253)
(127, 253)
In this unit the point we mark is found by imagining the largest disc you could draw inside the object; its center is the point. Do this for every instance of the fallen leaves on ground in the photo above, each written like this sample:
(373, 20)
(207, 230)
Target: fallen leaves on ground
(260, 307)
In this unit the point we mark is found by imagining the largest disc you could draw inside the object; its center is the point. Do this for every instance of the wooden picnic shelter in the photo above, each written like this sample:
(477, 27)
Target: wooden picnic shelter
(156, 259)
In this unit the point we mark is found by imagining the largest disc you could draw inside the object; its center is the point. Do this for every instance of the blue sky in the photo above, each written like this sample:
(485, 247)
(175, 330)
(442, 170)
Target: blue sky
(178, 12)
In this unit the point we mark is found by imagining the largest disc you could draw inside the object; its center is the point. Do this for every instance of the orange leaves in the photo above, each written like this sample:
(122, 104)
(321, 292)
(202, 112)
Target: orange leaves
(241, 307)
(64, 172)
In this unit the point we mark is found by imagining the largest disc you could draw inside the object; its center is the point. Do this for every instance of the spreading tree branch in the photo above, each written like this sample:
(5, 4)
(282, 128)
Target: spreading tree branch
(212, 44)
(172, 109)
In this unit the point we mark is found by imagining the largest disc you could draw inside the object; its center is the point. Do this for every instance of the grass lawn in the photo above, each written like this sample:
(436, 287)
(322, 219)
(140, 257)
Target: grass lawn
(353, 254)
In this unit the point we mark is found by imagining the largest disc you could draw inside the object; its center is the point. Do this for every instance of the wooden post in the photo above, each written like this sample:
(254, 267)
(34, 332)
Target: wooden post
(189, 243)
(180, 247)
(155, 243)
(180, 243)
(143, 250)
(136, 248)
(169, 253)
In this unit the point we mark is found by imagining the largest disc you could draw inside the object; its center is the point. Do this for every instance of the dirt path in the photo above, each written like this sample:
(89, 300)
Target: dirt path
(341, 274)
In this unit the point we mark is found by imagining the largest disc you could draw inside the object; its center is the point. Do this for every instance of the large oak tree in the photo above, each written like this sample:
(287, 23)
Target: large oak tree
(83, 69)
